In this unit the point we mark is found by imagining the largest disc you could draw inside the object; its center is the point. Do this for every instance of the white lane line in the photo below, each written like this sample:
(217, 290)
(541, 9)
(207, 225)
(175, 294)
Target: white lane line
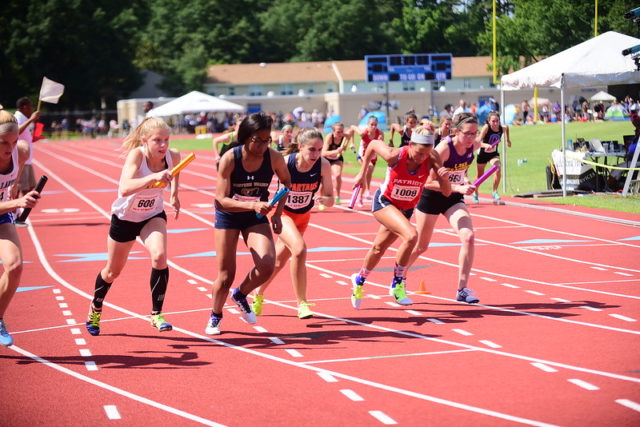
(60, 298)
(598, 268)
(71, 322)
(488, 279)
(192, 281)
(112, 412)
(63, 305)
(436, 321)
(382, 417)
(585, 385)
(356, 359)
(341, 282)
(462, 332)
(544, 367)
(621, 317)
(56, 291)
(490, 344)
(623, 274)
(413, 312)
(560, 299)
(629, 404)
(509, 285)
(586, 307)
(233, 311)
(81, 341)
(75, 331)
(91, 365)
(67, 313)
(202, 288)
(294, 353)
(352, 395)
(327, 377)
(392, 304)
(534, 292)
(276, 340)
(85, 352)
(326, 276)
(113, 389)
(374, 296)
(259, 329)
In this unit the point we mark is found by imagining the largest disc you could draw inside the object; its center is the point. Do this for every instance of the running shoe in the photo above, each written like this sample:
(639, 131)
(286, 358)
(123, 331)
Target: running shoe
(398, 292)
(467, 295)
(93, 323)
(158, 322)
(356, 296)
(475, 198)
(257, 304)
(338, 201)
(304, 312)
(213, 326)
(5, 338)
(496, 196)
(242, 303)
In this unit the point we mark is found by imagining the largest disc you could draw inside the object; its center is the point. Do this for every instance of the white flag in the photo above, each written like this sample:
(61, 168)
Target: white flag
(50, 91)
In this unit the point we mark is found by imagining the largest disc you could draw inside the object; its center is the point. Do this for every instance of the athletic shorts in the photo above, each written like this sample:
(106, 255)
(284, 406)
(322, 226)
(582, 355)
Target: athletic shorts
(435, 203)
(301, 220)
(334, 161)
(27, 179)
(380, 201)
(237, 220)
(484, 157)
(7, 218)
(125, 231)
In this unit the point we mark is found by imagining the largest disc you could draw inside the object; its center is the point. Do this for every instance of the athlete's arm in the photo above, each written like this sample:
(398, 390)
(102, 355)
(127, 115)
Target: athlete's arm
(129, 184)
(175, 183)
(327, 183)
(282, 172)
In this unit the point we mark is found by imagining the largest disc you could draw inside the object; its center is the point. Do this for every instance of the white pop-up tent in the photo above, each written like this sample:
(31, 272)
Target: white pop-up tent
(595, 62)
(603, 96)
(195, 102)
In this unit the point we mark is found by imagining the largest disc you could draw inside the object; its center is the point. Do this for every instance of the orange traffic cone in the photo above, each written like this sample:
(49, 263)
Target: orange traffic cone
(421, 289)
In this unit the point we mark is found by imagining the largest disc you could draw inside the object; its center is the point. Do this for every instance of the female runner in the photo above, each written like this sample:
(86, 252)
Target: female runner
(410, 122)
(489, 138)
(370, 133)
(334, 145)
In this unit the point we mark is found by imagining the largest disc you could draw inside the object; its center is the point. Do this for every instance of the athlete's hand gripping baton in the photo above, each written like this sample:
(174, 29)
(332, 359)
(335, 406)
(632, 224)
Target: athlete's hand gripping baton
(26, 211)
(176, 170)
(354, 196)
(276, 198)
(485, 175)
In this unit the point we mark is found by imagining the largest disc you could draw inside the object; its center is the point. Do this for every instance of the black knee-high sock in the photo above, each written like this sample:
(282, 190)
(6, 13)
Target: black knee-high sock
(100, 292)
(158, 282)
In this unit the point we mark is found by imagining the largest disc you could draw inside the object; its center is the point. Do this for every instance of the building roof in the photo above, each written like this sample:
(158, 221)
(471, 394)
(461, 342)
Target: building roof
(323, 71)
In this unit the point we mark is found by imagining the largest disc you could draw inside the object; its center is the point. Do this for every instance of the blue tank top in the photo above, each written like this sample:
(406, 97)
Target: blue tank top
(457, 164)
(250, 186)
(303, 186)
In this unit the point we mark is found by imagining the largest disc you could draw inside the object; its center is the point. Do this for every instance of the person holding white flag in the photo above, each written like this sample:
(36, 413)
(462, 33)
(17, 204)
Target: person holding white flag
(26, 119)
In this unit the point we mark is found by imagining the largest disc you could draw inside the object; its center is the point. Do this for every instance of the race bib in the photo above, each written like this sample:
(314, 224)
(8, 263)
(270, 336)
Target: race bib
(241, 198)
(144, 204)
(299, 199)
(404, 193)
(457, 177)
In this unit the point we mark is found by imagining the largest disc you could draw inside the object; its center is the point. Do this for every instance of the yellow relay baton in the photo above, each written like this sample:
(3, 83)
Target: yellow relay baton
(176, 170)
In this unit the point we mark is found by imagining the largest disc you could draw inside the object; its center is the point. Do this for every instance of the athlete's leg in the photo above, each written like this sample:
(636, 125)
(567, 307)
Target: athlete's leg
(226, 246)
(11, 256)
(425, 224)
(259, 240)
(154, 237)
(460, 220)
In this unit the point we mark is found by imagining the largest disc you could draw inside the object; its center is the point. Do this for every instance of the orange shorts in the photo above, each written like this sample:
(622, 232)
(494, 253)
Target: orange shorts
(301, 220)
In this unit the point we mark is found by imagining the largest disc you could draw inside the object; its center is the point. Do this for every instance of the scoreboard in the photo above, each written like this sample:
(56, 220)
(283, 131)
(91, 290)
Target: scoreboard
(406, 68)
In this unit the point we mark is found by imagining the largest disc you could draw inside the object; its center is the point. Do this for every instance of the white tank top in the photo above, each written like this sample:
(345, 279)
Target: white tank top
(7, 180)
(143, 204)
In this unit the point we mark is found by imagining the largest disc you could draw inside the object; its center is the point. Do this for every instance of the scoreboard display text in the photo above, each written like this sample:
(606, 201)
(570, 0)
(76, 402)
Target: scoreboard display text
(406, 68)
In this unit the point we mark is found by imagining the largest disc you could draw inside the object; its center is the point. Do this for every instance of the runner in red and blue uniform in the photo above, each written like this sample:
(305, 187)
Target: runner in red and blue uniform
(370, 133)
(393, 204)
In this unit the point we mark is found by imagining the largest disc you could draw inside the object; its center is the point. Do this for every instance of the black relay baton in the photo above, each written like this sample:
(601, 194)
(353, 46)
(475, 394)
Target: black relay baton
(26, 211)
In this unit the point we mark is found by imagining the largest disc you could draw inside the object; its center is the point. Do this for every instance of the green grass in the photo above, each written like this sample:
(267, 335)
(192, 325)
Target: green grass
(533, 143)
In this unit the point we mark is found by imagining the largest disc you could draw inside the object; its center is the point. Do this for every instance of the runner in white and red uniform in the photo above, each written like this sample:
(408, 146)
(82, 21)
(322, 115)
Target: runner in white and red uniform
(393, 205)
(370, 133)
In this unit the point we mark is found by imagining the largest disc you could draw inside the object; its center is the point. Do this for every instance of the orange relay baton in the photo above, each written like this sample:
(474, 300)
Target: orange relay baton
(176, 170)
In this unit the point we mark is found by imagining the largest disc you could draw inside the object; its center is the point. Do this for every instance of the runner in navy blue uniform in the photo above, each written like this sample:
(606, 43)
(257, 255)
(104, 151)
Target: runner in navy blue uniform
(410, 122)
(242, 191)
(308, 170)
(489, 139)
(457, 155)
(13, 154)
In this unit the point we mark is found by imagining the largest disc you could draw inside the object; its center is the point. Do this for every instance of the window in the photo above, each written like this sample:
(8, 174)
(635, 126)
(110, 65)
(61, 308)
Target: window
(232, 91)
(255, 90)
(286, 90)
(467, 84)
(408, 86)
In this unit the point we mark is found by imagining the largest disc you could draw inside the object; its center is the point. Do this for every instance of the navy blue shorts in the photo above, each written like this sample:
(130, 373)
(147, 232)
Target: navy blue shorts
(484, 157)
(237, 220)
(7, 218)
(435, 203)
(380, 201)
(125, 231)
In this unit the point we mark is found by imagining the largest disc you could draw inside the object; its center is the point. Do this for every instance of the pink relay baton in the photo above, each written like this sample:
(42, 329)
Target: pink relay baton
(485, 175)
(354, 196)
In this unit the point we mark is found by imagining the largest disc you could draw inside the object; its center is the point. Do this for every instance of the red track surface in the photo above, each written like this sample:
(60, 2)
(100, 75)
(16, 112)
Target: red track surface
(555, 339)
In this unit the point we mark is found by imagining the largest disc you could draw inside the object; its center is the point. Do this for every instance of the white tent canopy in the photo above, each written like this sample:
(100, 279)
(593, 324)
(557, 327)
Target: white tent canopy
(195, 102)
(595, 62)
(602, 96)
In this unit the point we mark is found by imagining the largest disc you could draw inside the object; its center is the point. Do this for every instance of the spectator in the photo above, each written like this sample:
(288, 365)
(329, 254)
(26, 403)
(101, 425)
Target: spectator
(26, 121)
